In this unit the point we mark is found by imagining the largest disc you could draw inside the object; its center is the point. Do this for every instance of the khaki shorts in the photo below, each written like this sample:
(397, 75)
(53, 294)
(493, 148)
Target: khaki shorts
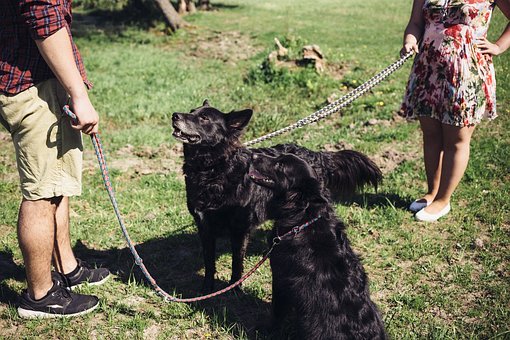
(48, 150)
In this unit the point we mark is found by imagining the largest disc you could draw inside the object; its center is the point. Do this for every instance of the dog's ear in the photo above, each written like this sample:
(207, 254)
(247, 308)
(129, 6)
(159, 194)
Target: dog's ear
(313, 192)
(206, 103)
(237, 120)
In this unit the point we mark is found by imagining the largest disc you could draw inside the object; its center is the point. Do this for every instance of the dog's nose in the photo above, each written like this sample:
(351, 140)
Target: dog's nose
(176, 116)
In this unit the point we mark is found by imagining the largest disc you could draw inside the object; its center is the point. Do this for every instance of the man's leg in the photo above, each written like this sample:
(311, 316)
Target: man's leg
(76, 271)
(36, 231)
(63, 256)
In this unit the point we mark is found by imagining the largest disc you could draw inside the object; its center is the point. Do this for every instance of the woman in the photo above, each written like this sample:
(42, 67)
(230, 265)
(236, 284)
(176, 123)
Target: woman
(451, 88)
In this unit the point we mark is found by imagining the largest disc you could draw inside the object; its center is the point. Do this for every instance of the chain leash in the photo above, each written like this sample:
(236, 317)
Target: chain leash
(339, 104)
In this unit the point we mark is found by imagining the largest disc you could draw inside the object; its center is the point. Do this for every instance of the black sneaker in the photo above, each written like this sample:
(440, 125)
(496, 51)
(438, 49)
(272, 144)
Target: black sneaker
(84, 273)
(58, 303)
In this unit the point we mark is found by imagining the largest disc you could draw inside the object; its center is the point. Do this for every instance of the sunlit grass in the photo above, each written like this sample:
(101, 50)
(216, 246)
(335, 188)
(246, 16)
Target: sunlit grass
(443, 280)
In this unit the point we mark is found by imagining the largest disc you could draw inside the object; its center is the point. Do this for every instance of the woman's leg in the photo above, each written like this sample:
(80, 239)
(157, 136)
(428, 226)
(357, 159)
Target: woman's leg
(432, 154)
(456, 142)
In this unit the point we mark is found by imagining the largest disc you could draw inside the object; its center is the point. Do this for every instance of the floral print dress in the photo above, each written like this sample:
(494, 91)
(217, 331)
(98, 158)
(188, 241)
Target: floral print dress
(450, 80)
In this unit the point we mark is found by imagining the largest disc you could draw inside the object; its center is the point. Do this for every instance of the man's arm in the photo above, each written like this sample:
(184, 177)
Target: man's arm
(58, 53)
(48, 27)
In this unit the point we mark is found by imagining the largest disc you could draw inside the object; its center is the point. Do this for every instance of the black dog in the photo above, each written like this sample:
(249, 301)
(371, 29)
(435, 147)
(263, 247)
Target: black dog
(316, 275)
(220, 195)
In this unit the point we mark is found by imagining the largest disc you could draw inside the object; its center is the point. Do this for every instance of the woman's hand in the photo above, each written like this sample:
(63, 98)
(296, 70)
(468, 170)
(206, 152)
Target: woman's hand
(408, 47)
(486, 47)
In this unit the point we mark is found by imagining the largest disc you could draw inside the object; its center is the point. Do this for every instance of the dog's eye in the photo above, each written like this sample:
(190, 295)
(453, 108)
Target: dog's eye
(204, 118)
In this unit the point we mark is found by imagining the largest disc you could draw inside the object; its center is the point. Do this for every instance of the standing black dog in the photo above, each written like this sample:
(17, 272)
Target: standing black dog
(316, 275)
(220, 195)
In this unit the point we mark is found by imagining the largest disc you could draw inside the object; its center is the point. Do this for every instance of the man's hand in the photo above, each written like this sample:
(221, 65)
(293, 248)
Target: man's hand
(88, 119)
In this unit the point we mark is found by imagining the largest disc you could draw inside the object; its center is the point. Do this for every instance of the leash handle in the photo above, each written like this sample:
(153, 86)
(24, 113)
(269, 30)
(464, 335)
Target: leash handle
(71, 114)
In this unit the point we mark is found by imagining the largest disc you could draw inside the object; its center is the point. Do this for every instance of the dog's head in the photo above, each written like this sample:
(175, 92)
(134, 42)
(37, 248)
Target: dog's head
(293, 181)
(208, 126)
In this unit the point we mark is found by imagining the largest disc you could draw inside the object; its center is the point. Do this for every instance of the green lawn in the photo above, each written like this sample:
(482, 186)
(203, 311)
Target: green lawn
(449, 279)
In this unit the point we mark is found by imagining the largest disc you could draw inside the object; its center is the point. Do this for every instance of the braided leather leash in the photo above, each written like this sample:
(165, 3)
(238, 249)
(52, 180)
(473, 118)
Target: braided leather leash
(339, 104)
(98, 148)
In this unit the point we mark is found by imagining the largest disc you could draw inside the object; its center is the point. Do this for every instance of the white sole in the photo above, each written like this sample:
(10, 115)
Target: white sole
(424, 216)
(33, 314)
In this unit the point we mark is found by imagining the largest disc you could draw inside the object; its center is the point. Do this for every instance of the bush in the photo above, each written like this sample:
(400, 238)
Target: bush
(109, 5)
(286, 73)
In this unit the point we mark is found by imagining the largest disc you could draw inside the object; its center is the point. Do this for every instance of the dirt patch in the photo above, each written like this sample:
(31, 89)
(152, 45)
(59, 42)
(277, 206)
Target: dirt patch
(162, 151)
(389, 158)
(5, 136)
(335, 70)
(144, 160)
(151, 332)
(133, 301)
(224, 46)
(338, 146)
(9, 331)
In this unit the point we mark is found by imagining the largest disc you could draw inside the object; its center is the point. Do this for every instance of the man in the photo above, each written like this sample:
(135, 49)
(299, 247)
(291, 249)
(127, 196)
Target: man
(40, 71)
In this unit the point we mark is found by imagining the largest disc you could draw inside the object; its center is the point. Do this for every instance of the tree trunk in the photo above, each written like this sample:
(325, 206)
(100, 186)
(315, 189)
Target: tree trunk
(204, 5)
(182, 7)
(191, 6)
(186, 6)
(171, 16)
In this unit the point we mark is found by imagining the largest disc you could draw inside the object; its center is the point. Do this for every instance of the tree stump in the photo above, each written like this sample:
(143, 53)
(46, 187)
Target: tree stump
(313, 54)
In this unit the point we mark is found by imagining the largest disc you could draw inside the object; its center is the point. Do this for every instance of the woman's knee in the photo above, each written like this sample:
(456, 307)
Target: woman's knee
(455, 137)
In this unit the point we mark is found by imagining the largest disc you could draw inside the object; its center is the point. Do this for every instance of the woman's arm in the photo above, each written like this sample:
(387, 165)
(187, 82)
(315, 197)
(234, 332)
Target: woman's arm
(503, 43)
(414, 29)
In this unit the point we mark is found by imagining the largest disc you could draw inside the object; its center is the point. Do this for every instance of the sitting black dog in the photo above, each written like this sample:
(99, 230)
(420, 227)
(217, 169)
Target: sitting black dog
(316, 275)
(220, 195)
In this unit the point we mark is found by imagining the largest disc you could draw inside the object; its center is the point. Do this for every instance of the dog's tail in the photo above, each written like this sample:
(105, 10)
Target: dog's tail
(347, 172)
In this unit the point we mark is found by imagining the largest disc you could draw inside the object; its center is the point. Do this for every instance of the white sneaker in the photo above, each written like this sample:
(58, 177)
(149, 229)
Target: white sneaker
(422, 215)
(417, 206)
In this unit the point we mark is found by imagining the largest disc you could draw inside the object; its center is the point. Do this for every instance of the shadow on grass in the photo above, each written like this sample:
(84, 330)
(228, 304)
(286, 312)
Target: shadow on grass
(113, 22)
(9, 270)
(381, 200)
(176, 263)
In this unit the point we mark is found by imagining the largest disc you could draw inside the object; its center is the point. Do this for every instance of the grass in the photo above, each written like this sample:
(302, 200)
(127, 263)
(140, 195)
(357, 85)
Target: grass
(444, 280)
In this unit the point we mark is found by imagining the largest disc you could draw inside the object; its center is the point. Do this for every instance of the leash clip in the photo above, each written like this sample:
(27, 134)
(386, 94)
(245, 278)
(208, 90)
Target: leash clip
(277, 240)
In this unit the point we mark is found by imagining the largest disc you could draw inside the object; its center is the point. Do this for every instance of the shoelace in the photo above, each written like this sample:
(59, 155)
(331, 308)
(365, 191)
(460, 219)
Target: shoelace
(62, 292)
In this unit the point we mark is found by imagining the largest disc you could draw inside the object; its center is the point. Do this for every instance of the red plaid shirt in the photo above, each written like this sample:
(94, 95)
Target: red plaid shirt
(22, 21)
